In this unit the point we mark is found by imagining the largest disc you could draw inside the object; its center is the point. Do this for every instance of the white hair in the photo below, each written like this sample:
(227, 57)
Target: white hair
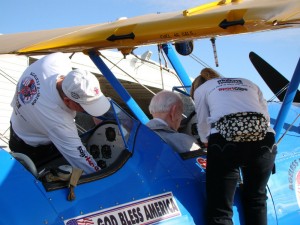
(163, 101)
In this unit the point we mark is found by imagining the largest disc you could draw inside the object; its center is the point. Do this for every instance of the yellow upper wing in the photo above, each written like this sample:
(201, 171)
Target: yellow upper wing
(212, 19)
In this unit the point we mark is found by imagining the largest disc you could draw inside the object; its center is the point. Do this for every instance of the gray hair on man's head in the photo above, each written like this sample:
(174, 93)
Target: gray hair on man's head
(163, 101)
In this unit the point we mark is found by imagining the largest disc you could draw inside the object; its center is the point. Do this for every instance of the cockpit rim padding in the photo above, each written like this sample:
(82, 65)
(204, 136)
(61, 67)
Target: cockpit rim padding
(114, 167)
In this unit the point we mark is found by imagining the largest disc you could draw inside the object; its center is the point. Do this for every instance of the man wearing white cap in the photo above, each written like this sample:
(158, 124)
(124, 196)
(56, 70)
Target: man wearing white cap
(48, 95)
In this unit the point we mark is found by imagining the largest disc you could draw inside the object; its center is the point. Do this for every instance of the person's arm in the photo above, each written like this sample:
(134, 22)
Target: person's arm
(67, 141)
(202, 113)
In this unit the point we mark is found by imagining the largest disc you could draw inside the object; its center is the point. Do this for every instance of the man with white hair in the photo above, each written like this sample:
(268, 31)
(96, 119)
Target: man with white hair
(166, 108)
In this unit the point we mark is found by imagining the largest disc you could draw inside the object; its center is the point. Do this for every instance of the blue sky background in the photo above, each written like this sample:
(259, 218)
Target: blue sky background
(280, 48)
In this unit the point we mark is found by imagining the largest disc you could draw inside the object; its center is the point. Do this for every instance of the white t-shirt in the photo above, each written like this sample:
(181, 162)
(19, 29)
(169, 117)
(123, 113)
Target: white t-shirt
(40, 116)
(222, 96)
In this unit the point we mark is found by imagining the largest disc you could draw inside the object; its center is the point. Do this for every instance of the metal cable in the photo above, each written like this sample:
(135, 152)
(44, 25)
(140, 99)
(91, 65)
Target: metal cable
(126, 73)
(287, 129)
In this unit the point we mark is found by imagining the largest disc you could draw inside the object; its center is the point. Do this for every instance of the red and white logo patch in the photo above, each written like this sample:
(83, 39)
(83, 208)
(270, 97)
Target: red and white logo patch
(202, 162)
(297, 187)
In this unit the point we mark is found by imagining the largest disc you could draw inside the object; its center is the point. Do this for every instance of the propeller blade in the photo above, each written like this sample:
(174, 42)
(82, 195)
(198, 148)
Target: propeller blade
(275, 80)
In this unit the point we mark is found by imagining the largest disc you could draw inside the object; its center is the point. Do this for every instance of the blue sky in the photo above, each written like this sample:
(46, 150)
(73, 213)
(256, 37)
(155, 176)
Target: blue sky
(281, 48)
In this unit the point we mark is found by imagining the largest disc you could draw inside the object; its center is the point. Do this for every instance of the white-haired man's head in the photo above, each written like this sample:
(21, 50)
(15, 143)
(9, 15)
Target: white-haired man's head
(167, 106)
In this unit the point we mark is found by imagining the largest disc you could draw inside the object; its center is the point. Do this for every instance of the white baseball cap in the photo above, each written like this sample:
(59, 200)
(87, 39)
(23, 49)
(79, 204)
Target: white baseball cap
(83, 87)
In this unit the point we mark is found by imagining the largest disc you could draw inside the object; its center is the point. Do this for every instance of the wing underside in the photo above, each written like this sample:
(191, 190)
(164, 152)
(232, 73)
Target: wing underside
(209, 20)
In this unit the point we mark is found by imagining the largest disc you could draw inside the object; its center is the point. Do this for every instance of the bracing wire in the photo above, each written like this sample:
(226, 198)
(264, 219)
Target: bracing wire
(159, 47)
(8, 77)
(197, 59)
(288, 129)
(153, 63)
(126, 73)
(4, 139)
(278, 93)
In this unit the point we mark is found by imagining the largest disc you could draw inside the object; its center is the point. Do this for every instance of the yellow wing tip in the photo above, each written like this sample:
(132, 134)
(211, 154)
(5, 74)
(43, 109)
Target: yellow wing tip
(201, 8)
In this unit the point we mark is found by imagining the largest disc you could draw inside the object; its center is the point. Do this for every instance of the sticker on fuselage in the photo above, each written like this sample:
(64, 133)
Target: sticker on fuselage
(297, 187)
(145, 211)
(201, 163)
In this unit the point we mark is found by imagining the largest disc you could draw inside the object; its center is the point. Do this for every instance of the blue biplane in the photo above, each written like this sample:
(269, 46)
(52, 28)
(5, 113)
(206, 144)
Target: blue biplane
(145, 181)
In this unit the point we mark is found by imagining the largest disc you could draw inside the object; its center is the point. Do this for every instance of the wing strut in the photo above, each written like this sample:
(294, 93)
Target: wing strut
(124, 95)
(288, 100)
(171, 54)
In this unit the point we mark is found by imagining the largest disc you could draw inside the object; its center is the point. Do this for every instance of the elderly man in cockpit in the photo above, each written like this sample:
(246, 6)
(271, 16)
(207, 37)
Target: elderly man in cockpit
(166, 108)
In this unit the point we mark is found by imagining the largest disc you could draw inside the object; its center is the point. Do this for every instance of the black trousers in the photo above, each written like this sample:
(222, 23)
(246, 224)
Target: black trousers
(225, 160)
(40, 155)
